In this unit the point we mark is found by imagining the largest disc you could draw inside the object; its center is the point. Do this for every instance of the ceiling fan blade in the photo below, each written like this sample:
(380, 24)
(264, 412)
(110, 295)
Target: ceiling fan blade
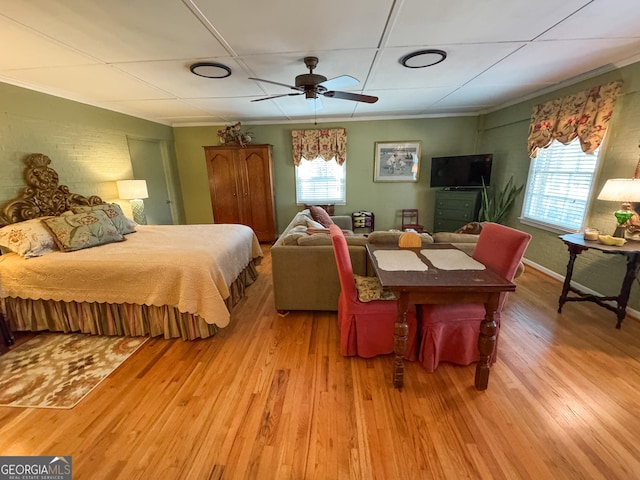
(343, 81)
(356, 97)
(275, 83)
(277, 96)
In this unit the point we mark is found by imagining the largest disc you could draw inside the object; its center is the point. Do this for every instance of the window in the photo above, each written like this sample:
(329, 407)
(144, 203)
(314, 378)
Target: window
(559, 186)
(319, 182)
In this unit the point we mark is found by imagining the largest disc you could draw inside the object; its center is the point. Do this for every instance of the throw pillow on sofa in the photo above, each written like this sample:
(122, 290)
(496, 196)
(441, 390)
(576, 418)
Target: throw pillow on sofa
(473, 228)
(321, 216)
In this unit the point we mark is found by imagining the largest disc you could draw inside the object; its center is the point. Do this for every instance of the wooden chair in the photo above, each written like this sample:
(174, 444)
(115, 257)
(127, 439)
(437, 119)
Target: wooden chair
(366, 327)
(449, 333)
(410, 220)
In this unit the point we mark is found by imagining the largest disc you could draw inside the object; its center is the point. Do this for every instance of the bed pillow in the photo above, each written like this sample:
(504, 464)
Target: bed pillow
(28, 239)
(115, 213)
(82, 230)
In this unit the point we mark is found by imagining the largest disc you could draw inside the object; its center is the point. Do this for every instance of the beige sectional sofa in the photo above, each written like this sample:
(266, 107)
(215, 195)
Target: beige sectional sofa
(304, 270)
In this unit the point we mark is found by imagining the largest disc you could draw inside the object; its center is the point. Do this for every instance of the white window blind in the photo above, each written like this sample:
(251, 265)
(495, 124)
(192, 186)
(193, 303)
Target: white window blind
(319, 182)
(559, 186)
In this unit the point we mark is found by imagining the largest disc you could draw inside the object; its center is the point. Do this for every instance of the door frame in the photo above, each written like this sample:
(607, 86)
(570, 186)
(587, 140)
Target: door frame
(168, 172)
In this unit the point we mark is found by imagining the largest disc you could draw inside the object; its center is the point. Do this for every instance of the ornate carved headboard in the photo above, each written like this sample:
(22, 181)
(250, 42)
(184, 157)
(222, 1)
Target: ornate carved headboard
(42, 196)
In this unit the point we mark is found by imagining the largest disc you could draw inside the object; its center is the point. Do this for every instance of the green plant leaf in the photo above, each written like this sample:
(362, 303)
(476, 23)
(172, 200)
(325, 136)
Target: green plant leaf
(497, 204)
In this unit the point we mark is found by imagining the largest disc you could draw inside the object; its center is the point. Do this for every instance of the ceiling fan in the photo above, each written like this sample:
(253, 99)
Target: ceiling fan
(311, 85)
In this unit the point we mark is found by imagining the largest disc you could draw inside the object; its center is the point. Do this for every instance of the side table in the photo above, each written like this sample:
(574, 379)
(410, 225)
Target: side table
(577, 244)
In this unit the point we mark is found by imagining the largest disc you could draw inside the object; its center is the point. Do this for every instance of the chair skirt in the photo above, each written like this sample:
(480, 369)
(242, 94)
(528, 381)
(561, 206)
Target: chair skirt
(449, 333)
(367, 332)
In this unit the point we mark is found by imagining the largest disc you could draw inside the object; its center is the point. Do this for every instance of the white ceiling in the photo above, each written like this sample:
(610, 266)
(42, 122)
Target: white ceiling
(133, 56)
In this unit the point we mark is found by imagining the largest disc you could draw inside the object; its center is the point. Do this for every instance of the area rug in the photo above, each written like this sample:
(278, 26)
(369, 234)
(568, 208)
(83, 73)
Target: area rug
(55, 370)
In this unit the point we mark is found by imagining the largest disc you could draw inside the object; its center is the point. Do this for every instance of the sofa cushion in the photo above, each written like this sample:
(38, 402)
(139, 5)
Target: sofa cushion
(325, 239)
(393, 237)
(315, 239)
(449, 237)
(321, 216)
(291, 236)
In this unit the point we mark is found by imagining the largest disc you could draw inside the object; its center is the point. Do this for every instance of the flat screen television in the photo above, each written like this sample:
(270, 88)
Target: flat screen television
(461, 171)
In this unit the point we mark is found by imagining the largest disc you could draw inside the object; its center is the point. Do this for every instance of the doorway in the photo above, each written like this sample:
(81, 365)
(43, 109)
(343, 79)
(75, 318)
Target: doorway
(150, 163)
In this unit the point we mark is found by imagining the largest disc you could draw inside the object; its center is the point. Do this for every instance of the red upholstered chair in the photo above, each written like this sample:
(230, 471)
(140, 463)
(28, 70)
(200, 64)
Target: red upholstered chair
(449, 333)
(366, 328)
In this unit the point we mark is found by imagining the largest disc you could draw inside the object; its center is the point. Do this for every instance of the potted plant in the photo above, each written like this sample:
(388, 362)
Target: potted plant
(497, 204)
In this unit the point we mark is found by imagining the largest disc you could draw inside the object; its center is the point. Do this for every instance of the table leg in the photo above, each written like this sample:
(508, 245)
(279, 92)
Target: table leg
(633, 263)
(487, 342)
(400, 336)
(574, 250)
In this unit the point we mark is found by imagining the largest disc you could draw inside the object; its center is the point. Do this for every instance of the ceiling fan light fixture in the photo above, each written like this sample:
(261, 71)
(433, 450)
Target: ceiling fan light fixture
(210, 70)
(423, 58)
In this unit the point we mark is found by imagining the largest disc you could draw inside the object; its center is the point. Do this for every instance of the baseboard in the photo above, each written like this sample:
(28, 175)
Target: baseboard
(635, 314)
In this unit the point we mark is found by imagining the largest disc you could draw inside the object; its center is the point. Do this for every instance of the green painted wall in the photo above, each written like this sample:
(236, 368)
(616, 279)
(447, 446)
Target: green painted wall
(87, 145)
(504, 132)
(439, 136)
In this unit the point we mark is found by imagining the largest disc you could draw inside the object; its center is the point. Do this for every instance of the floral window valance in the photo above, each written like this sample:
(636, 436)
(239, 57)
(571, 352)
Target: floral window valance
(585, 114)
(324, 143)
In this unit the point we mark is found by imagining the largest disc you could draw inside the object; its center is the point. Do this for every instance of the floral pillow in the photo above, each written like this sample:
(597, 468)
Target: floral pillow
(82, 230)
(28, 239)
(369, 288)
(115, 213)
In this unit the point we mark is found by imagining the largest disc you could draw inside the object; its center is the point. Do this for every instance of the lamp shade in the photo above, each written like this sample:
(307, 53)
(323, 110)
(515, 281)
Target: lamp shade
(132, 189)
(621, 190)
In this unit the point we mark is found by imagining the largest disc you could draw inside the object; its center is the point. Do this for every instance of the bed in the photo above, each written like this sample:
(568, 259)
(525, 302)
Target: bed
(170, 280)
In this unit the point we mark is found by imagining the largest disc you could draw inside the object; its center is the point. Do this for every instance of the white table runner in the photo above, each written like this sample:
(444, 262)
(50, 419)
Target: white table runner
(451, 259)
(399, 260)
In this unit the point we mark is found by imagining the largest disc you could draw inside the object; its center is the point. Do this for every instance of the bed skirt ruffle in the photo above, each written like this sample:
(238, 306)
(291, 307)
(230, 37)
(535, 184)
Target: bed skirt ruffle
(123, 319)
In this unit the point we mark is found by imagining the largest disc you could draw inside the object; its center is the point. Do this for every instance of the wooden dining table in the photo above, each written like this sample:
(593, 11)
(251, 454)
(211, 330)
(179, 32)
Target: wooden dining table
(439, 284)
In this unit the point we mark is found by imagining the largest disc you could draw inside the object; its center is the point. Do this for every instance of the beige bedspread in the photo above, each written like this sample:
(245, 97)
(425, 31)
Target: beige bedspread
(189, 267)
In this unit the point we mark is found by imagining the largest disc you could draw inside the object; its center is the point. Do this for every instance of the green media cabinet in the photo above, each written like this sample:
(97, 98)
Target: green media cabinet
(455, 208)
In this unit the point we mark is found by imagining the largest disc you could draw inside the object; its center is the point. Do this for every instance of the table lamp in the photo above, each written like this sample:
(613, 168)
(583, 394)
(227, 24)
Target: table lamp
(134, 191)
(625, 190)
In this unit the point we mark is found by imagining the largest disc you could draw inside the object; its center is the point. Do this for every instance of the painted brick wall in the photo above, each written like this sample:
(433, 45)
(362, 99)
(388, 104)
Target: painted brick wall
(87, 145)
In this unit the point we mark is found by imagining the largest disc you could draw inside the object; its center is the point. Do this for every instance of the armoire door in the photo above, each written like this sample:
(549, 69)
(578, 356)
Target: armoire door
(258, 191)
(241, 187)
(226, 193)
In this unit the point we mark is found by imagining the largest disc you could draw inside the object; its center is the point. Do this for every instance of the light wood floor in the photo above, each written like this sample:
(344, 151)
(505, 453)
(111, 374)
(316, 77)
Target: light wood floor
(271, 397)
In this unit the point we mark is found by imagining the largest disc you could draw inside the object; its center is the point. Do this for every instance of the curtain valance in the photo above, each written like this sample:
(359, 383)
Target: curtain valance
(585, 114)
(324, 143)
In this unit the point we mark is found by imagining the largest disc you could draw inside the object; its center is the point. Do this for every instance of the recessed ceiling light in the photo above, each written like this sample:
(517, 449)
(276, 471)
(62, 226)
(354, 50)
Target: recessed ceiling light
(423, 58)
(210, 70)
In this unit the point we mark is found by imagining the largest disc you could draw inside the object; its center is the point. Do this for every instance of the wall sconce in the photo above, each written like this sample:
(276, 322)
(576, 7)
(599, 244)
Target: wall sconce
(134, 191)
(626, 191)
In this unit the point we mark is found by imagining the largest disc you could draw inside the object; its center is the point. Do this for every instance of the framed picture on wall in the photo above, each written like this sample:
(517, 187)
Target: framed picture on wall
(397, 161)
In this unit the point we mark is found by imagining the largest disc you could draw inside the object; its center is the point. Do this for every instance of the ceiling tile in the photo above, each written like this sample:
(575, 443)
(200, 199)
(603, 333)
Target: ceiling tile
(258, 26)
(463, 22)
(96, 82)
(118, 31)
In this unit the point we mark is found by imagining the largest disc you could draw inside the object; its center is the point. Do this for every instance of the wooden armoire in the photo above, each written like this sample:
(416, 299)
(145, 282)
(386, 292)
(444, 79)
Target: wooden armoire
(241, 187)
